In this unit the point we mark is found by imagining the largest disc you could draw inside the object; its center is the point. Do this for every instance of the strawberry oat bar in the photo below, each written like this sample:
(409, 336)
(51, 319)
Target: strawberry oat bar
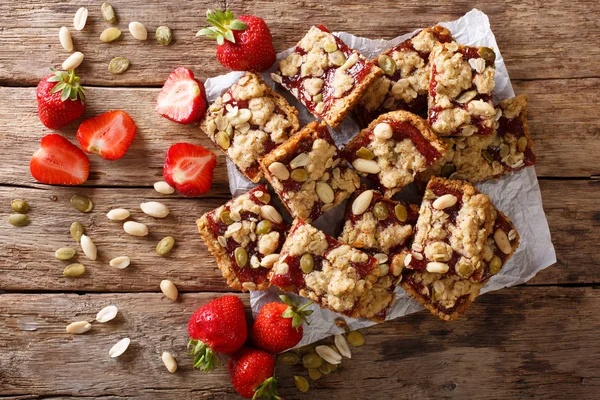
(245, 235)
(461, 240)
(393, 149)
(326, 75)
(308, 173)
(248, 121)
(330, 273)
(479, 158)
(460, 90)
(406, 80)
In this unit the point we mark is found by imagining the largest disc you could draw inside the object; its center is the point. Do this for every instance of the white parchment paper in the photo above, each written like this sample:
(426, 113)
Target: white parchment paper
(517, 195)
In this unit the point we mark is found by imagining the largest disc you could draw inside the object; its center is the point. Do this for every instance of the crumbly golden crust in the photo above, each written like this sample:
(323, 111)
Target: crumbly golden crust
(247, 121)
(308, 173)
(307, 74)
(393, 160)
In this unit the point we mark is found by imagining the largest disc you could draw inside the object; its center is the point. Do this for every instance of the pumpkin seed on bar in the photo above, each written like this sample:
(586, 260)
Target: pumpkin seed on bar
(288, 358)
(307, 263)
(77, 231)
(464, 270)
(164, 35)
(118, 65)
(74, 270)
(365, 153)
(165, 245)
(18, 220)
(301, 383)
(330, 47)
(65, 253)
(401, 212)
(312, 360)
(82, 203)
(108, 13)
(521, 144)
(299, 175)
(380, 211)
(355, 339)
(447, 170)
(241, 257)
(387, 64)
(225, 218)
(317, 98)
(263, 227)
(487, 54)
(488, 157)
(504, 150)
(19, 206)
(495, 265)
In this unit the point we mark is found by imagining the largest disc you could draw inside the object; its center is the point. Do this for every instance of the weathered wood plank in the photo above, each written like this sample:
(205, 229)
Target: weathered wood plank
(539, 40)
(517, 343)
(27, 261)
(565, 132)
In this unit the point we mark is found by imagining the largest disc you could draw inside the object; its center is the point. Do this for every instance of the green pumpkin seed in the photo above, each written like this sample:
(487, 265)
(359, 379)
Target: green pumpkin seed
(165, 245)
(333, 367)
(447, 170)
(487, 54)
(74, 270)
(307, 263)
(465, 270)
(108, 13)
(312, 360)
(305, 349)
(325, 368)
(65, 253)
(164, 35)
(355, 339)
(330, 47)
(263, 227)
(387, 64)
(314, 373)
(18, 220)
(77, 231)
(299, 175)
(19, 206)
(118, 65)
(288, 358)
(301, 383)
(521, 144)
(488, 157)
(265, 198)
(241, 257)
(401, 212)
(317, 98)
(82, 203)
(365, 153)
(380, 211)
(225, 218)
(495, 265)
(504, 150)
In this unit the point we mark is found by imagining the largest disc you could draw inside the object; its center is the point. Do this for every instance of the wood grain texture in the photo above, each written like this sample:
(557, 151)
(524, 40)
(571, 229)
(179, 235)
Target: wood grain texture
(517, 343)
(539, 40)
(28, 262)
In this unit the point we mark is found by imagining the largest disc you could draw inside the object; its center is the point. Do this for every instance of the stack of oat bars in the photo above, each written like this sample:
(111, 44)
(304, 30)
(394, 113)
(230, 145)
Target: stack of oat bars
(429, 119)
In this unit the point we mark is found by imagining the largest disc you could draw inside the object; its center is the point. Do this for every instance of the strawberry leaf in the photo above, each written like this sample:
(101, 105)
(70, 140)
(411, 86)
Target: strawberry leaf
(237, 25)
(229, 36)
(222, 26)
(205, 359)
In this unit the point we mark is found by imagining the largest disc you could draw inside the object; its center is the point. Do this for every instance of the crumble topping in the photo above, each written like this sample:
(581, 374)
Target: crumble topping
(445, 290)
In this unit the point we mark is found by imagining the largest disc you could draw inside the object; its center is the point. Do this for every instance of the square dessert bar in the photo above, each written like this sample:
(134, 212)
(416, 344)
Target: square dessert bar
(479, 158)
(245, 235)
(326, 75)
(330, 273)
(405, 84)
(248, 121)
(308, 173)
(393, 149)
(460, 90)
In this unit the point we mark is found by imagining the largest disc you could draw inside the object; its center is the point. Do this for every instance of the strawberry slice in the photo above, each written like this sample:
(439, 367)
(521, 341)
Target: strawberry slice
(59, 162)
(109, 135)
(189, 168)
(182, 99)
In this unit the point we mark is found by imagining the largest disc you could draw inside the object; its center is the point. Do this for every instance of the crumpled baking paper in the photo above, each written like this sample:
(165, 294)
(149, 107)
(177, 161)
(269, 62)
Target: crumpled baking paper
(517, 195)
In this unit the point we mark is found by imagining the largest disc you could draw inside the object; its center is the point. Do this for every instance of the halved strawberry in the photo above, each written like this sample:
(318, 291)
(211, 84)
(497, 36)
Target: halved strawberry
(189, 168)
(109, 135)
(59, 162)
(182, 99)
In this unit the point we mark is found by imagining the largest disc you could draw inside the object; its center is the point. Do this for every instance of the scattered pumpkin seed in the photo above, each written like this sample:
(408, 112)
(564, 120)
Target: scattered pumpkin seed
(305, 349)
(521, 144)
(355, 339)
(74, 270)
(164, 35)
(488, 157)
(495, 265)
(380, 211)
(110, 34)
(223, 140)
(18, 220)
(82, 203)
(333, 367)
(401, 212)
(165, 245)
(314, 373)
(447, 170)
(108, 13)
(288, 358)
(387, 64)
(299, 175)
(307, 263)
(65, 253)
(263, 227)
(118, 65)
(19, 206)
(241, 257)
(365, 153)
(77, 231)
(325, 368)
(312, 360)
(301, 383)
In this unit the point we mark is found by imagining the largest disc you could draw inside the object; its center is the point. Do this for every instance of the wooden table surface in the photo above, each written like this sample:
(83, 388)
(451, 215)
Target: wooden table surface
(538, 340)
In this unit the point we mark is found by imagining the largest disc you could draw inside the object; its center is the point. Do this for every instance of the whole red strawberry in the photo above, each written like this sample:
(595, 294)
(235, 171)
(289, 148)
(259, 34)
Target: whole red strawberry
(278, 326)
(251, 374)
(60, 99)
(244, 44)
(219, 326)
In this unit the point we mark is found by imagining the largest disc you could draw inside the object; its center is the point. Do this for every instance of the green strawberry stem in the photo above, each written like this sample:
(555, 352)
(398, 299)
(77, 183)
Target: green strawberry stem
(205, 359)
(68, 84)
(223, 25)
(267, 390)
(298, 315)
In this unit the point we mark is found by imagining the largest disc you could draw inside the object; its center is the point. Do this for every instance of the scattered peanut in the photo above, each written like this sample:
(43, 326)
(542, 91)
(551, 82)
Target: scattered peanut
(120, 262)
(117, 214)
(169, 289)
(66, 41)
(119, 348)
(88, 247)
(163, 187)
(169, 362)
(135, 228)
(80, 18)
(79, 327)
(138, 30)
